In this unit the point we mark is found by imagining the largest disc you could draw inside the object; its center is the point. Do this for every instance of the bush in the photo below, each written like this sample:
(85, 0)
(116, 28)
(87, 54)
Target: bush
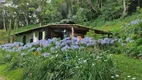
(139, 42)
(92, 34)
(78, 64)
(65, 59)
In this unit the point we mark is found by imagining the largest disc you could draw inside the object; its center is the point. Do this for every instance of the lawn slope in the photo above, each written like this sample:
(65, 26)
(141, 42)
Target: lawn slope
(10, 75)
(129, 67)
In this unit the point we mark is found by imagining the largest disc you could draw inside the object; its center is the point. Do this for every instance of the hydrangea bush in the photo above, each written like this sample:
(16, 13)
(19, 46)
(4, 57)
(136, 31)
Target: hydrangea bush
(65, 59)
(130, 39)
(55, 44)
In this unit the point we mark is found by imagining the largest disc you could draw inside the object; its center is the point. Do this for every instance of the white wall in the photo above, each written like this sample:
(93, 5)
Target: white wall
(28, 37)
(43, 35)
(35, 36)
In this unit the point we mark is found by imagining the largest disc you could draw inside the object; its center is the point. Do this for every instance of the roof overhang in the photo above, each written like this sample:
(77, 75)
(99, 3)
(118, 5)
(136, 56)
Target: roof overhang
(64, 26)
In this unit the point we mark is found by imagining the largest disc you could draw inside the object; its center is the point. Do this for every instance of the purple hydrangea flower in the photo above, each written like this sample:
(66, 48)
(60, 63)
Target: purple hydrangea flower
(46, 54)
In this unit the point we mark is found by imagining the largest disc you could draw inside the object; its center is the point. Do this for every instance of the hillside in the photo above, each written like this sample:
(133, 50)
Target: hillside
(113, 26)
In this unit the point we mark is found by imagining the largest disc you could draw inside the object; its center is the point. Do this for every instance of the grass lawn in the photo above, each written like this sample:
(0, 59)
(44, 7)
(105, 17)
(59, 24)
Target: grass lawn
(10, 75)
(25, 28)
(128, 67)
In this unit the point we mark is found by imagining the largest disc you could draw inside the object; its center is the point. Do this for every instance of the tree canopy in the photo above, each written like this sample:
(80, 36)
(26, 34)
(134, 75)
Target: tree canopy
(49, 11)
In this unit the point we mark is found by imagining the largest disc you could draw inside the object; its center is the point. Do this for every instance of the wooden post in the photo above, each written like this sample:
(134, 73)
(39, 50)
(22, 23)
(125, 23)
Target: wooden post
(43, 35)
(72, 30)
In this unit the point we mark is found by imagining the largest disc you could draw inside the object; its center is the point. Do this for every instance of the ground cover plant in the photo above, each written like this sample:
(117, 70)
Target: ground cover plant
(129, 68)
(56, 59)
(130, 39)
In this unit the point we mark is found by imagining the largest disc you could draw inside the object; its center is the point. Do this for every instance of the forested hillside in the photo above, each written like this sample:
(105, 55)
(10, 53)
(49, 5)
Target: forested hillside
(25, 12)
(93, 57)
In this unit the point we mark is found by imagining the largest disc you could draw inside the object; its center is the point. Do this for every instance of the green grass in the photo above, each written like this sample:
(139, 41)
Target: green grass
(25, 28)
(10, 75)
(3, 36)
(112, 26)
(128, 66)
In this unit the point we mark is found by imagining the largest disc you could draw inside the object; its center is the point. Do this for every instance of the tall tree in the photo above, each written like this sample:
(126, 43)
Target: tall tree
(124, 8)
(92, 6)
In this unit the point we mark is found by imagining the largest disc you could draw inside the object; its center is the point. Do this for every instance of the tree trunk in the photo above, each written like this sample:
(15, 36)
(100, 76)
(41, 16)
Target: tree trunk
(4, 20)
(15, 28)
(26, 19)
(124, 8)
(99, 4)
(90, 2)
(9, 31)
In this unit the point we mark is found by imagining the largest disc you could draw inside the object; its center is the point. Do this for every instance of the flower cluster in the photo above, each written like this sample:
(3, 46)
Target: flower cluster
(132, 23)
(137, 21)
(55, 43)
(106, 41)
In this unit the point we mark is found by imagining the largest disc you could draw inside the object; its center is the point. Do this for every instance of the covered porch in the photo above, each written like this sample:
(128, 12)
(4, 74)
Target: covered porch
(55, 30)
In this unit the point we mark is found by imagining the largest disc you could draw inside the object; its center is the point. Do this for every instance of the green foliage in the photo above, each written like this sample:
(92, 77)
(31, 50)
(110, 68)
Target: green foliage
(89, 63)
(36, 11)
(3, 37)
(12, 74)
(128, 67)
(139, 10)
(112, 11)
(131, 38)
(139, 42)
(25, 28)
(79, 66)
(92, 34)
(80, 16)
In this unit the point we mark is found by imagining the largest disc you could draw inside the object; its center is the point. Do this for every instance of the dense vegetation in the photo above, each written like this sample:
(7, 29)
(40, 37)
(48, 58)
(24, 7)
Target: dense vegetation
(65, 59)
(25, 12)
(72, 58)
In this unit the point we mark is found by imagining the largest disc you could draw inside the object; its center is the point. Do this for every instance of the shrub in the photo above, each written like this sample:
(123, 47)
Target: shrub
(92, 34)
(78, 64)
(139, 42)
(65, 59)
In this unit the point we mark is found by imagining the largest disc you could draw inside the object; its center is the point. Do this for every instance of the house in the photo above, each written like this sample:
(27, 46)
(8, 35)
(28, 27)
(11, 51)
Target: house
(55, 30)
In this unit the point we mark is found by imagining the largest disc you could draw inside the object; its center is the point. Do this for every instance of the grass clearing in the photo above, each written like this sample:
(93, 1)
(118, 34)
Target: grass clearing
(113, 25)
(128, 67)
(10, 75)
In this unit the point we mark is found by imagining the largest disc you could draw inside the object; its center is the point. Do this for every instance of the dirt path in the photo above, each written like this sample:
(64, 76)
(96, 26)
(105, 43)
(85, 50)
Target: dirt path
(1, 78)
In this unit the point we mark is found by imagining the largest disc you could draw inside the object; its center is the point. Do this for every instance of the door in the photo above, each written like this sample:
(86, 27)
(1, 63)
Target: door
(40, 36)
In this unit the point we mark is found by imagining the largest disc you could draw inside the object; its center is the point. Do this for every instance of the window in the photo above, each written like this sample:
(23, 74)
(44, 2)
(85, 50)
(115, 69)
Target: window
(31, 38)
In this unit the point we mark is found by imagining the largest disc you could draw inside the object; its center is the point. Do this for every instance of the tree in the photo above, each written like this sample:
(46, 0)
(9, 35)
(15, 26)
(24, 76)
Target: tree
(124, 8)
(9, 30)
